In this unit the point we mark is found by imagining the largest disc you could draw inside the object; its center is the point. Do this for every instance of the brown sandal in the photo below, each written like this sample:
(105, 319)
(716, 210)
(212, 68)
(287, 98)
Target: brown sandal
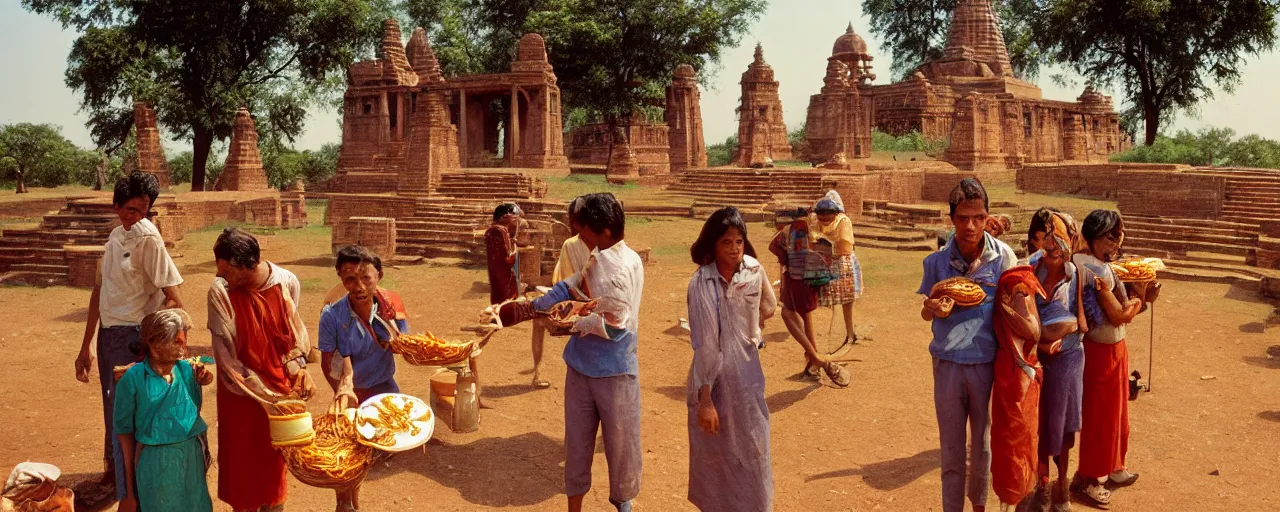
(836, 374)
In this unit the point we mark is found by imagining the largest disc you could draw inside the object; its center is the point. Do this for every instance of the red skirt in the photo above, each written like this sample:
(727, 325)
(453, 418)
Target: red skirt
(251, 472)
(1104, 427)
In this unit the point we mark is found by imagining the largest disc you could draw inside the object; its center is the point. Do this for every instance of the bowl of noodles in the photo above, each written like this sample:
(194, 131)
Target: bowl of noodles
(335, 459)
(394, 422)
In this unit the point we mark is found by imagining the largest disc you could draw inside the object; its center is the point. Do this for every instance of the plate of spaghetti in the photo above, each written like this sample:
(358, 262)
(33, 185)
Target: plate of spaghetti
(394, 422)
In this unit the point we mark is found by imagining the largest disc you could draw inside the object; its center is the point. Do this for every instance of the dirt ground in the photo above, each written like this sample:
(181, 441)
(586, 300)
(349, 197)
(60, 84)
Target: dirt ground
(1204, 439)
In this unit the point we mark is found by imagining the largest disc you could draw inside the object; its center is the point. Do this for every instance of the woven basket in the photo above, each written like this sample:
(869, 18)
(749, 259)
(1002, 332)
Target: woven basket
(335, 460)
(416, 354)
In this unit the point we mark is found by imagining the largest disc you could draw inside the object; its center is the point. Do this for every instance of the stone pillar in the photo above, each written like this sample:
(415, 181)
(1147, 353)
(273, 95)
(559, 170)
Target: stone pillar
(384, 119)
(513, 131)
(463, 156)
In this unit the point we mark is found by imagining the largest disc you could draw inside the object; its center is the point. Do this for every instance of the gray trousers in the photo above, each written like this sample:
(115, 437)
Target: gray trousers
(962, 395)
(113, 351)
(611, 402)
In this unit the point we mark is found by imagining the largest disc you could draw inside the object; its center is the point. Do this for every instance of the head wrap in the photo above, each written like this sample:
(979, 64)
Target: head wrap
(830, 202)
(997, 225)
(1061, 228)
(826, 205)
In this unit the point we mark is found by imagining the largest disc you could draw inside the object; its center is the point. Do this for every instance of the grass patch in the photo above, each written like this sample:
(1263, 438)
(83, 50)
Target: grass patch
(1077, 207)
(314, 284)
(792, 163)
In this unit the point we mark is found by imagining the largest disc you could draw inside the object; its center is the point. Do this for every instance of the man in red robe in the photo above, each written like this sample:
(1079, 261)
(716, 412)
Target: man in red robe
(260, 344)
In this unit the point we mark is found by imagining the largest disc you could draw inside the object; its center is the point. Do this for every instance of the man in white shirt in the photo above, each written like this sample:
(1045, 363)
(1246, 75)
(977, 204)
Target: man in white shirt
(136, 277)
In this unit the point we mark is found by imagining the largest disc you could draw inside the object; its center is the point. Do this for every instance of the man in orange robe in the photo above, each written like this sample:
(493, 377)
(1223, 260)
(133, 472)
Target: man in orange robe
(1015, 394)
(261, 347)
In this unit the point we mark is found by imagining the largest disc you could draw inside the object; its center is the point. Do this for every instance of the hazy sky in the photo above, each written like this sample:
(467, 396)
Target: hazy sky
(797, 36)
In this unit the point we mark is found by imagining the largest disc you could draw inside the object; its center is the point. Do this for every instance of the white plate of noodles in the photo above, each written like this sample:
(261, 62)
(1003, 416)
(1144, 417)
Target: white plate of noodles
(394, 422)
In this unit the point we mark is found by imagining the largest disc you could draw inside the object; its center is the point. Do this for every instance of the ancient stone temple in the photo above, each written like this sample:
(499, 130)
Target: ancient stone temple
(995, 121)
(404, 122)
(684, 121)
(762, 135)
(838, 122)
(524, 105)
(150, 152)
(656, 147)
(243, 169)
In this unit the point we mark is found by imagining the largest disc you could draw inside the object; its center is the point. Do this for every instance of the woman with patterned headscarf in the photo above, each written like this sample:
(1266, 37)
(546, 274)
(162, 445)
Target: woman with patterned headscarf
(1050, 239)
(834, 226)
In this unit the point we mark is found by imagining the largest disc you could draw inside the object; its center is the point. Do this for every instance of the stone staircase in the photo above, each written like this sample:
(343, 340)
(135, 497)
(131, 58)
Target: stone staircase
(1252, 195)
(1198, 250)
(749, 189)
(450, 222)
(38, 255)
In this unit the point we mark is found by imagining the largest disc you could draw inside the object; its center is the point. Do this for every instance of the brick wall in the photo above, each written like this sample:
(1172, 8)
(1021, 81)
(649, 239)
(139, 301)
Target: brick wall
(1169, 194)
(894, 186)
(1086, 180)
(937, 185)
(82, 265)
(376, 233)
(343, 206)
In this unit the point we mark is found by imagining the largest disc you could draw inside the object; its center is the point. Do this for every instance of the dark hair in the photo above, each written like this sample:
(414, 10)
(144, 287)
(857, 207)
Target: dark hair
(703, 249)
(377, 264)
(1039, 222)
(968, 190)
(505, 209)
(136, 184)
(601, 211)
(237, 247)
(1100, 223)
(575, 209)
(357, 254)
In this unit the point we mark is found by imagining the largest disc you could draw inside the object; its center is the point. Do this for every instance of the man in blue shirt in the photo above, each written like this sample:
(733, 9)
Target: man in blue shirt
(964, 345)
(355, 328)
(602, 387)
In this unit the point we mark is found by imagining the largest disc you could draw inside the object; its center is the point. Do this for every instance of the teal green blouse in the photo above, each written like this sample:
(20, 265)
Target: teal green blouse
(155, 411)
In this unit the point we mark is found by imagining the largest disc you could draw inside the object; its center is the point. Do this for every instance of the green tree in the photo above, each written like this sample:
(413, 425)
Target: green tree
(915, 32)
(720, 154)
(1207, 147)
(1166, 55)
(619, 53)
(198, 61)
(38, 155)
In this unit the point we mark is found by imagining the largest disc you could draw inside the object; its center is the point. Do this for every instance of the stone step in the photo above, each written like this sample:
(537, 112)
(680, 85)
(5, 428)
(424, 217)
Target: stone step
(1209, 276)
(1177, 229)
(1244, 219)
(1189, 235)
(1182, 246)
(927, 246)
(1263, 209)
(34, 278)
(861, 234)
(40, 268)
(1241, 268)
(431, 234)
(1252, 196)
(1206, 223)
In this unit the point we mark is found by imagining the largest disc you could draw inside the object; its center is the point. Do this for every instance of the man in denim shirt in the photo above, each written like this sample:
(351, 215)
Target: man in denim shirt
(602, 387)
(964, 345)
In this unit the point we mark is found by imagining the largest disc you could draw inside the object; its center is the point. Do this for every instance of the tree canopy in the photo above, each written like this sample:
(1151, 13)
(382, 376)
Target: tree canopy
(915, 31)
(38, 155)
(199, 61)
(619, 53)
(1166, 55)
(1207, 146)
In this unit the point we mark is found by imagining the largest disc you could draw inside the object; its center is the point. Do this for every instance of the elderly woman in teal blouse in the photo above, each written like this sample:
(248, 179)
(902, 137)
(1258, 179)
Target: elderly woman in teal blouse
(157, 420)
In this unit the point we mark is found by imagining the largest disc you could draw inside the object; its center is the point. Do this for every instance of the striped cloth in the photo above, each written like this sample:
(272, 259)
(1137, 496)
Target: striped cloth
(848, 284)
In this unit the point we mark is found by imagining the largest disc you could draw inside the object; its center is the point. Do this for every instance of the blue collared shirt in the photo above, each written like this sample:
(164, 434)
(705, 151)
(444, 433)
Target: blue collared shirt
(1061, 306)
(967, 336)
(342, 331)
(617, 281)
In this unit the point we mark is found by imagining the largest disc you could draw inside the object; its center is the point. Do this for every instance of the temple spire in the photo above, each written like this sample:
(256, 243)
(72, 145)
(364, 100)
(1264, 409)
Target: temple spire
(759, 54)
(975, 31)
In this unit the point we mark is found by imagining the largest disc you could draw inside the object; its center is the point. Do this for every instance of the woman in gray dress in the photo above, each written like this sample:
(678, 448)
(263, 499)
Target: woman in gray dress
(729, 298)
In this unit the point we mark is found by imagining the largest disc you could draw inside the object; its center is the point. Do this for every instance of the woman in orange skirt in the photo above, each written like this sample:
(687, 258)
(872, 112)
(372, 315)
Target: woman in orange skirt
(1104, 430)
